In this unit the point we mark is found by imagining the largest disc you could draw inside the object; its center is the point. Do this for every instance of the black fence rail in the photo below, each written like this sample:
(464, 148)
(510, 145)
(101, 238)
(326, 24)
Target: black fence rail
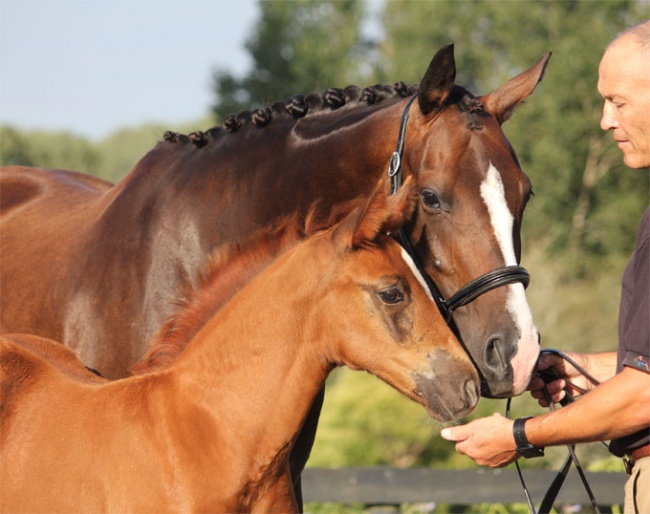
(391, 486)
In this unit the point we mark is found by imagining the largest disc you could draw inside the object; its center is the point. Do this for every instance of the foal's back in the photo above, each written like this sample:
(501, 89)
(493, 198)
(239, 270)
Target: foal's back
(25, 351)
(30, 368)
(26, 362)
(58, 438)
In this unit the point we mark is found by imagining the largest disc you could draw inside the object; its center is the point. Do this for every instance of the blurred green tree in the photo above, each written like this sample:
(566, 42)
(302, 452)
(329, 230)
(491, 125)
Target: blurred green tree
(47, 149)
(123, 148)
(296, 47)
(14, 147)
(586, 201)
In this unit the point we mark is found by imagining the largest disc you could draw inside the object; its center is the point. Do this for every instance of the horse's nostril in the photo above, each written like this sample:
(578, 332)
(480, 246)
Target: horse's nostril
(494, 356)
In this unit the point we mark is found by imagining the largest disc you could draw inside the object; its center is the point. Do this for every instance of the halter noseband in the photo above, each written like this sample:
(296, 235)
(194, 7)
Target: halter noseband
(469, 292)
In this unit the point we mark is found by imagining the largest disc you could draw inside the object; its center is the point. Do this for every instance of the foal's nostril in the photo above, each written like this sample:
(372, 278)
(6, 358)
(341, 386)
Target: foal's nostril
(471, 393)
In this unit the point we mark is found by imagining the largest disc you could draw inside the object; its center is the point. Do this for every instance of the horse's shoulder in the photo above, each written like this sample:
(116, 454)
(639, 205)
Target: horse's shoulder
(20, 185)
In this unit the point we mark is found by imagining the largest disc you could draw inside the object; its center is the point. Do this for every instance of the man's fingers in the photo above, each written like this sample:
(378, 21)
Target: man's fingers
(453, 433)
(547, 360)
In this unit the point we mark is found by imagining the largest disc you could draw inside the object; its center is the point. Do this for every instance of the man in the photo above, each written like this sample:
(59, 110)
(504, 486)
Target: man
(618, 408)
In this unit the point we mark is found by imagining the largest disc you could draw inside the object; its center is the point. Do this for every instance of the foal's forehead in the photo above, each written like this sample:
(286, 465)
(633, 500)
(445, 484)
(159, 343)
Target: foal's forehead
(395, 261)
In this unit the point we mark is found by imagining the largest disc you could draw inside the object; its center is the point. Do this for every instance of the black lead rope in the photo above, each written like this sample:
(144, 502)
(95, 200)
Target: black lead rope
(553, 490)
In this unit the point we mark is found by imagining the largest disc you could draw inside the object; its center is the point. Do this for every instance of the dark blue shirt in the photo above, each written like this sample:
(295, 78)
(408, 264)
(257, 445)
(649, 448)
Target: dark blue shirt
(634, 325)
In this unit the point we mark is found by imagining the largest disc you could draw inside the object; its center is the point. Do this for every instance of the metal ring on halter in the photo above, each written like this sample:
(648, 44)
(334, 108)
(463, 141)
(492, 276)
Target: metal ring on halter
(395, 164)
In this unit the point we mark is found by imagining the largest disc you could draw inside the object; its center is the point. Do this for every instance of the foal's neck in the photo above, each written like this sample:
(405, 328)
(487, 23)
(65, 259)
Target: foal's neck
(259, 363)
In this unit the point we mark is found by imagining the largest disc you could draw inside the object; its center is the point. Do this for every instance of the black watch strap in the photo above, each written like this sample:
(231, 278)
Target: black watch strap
(524, 448)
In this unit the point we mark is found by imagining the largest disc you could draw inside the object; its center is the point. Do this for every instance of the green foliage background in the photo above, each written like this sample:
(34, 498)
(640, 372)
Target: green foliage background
(578, 230)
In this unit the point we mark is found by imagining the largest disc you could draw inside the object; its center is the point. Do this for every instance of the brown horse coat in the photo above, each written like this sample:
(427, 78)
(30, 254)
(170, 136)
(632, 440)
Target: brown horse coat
(79, 255)
(212, 428)
(98, 267)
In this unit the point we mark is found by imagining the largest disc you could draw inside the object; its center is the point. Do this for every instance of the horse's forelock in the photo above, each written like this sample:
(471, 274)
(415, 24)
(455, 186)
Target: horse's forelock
(468, 104)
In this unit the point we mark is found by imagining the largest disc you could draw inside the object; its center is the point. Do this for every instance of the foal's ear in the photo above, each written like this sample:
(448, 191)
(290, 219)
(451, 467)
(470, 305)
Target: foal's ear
(382, 213)
(438, 80)
(400, 207)
(503, 101)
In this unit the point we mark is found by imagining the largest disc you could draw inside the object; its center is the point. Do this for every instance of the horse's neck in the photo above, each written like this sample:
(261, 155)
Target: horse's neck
(259, 363)
(183, 202)
(285, 167)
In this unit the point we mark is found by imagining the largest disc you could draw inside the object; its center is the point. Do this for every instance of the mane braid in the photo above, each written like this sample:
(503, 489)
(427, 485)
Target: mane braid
(296, 107)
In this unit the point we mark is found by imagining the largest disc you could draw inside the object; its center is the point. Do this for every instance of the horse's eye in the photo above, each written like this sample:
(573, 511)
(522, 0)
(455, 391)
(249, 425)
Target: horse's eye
(430, 198)
(392, 296)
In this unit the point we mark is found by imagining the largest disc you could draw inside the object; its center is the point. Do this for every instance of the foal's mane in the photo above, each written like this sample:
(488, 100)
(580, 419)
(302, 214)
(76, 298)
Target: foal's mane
(229, 269)
(297, 107)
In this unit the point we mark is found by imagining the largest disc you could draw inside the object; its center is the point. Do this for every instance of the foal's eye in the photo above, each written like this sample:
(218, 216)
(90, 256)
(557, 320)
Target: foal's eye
(392, 296)
(430, 198)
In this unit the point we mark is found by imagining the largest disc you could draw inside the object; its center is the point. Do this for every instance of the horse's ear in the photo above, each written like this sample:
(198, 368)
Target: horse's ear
(503, 101)
(438, 80)
(382, 213)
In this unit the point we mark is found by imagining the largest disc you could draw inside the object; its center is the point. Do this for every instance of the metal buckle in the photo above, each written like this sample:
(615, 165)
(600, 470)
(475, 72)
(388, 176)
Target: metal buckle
(395, 164)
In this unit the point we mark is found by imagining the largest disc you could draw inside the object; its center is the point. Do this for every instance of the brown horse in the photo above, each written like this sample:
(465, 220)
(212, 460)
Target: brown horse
(79, 255)
(210, 427)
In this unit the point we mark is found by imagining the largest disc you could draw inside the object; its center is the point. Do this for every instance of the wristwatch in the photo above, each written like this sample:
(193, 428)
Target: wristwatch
(524, 448)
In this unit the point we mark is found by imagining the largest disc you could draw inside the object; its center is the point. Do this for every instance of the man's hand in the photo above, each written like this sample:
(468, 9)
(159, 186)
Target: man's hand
(488, 441)
(568, 377)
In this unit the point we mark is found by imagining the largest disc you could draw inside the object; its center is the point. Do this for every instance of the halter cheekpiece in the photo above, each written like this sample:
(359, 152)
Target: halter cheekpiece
(469, 292)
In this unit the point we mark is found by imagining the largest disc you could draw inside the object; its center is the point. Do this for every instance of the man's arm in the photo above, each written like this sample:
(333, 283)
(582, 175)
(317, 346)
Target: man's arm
(618, 407)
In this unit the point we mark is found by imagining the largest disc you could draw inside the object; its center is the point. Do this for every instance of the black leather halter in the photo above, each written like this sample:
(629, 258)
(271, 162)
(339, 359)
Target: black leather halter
(469, 292)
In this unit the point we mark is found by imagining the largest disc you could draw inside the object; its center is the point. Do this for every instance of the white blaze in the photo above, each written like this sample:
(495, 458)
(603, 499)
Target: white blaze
(409, 262)
(502, 220)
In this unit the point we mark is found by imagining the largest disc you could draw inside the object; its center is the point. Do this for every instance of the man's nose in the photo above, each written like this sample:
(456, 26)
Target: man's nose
(608, 119)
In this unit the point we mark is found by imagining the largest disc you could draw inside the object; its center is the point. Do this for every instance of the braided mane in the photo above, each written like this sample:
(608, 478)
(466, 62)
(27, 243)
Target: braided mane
(298, 106)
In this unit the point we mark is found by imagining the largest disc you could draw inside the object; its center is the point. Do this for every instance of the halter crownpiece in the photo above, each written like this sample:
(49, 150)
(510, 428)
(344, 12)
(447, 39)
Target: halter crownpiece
(395, 164)
(469, 292)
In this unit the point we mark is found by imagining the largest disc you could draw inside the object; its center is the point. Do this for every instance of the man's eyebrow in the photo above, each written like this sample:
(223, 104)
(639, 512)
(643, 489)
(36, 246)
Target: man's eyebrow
(614, 96)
